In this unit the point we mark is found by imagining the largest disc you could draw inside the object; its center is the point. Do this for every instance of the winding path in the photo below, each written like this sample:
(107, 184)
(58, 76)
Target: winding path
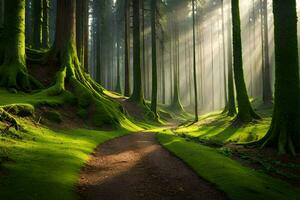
(136, 167)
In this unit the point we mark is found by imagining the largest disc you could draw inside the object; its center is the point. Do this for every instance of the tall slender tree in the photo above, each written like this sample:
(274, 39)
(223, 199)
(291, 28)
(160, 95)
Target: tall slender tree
(127, 46)
(245, 110)
(154, 57)
(284, 132)
(37, 21)
(267, 89)
(194, 65)
(2, 13)
(45, 24)
(137, 94)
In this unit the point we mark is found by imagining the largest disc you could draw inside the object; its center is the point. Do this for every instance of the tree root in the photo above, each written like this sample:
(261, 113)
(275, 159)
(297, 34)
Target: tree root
(9, 120)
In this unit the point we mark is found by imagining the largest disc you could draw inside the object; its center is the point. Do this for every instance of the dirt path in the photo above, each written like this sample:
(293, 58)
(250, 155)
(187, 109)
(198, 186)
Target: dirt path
(135, 167)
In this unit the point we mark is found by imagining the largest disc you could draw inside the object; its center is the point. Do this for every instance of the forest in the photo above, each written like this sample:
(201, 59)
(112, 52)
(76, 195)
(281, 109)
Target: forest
(149, 100)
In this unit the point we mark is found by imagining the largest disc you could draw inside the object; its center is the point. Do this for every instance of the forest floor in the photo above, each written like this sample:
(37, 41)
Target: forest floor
(137, 167)
(53, 153)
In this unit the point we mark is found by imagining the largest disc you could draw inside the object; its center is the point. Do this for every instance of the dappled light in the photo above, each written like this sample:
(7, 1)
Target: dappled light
(149, 99)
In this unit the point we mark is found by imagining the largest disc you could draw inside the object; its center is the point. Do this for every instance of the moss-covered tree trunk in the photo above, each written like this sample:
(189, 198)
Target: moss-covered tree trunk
(45, 30)
(154, 58)
(13, 71)
(89, 95)
(284, 132)
(245, 111)
(137, 94)
(37, 21)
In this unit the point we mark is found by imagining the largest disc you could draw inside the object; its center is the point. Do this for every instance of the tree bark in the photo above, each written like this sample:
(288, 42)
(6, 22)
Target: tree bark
(194, 66)
(13, 71)
(37, 21)
(127, 46)
(284, 132)
(267, 89)
(245, 111)
(154, 58)
(45, 25)
(137, 95)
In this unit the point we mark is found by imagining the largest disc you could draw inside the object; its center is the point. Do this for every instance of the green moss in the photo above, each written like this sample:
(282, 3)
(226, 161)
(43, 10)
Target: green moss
(7, 98)
(237, 181)
(218, 128)
(46, 163)
(82, 113)
(53, 116)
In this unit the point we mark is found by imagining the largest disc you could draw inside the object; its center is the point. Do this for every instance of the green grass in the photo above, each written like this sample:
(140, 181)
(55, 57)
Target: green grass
(45, 164)
(237, 181)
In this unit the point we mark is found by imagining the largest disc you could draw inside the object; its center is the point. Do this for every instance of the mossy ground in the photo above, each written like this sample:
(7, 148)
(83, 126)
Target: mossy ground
(40, 162)
(219, 128)
(45, 164)
(237, 181)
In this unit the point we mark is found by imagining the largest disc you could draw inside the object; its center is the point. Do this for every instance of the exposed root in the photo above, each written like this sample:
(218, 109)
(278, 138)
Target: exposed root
(9, 120)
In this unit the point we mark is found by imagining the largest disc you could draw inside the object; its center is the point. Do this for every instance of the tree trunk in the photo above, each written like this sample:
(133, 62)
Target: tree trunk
(176, 103)
(284, 132)
(154, 58)
(45, 31)
(230, 108)
(127, 46)
(37, 21)
(245, 111)
(118, 86)
(267, 89)
(137, 95)
(13, 71)
(194, 66)
(28, 22)
(2, 13)
(89, 94)
(224, 56)
(231, 97)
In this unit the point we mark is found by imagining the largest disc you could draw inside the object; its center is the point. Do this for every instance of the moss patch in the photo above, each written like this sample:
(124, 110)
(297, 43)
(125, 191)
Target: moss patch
(237, 181)
(45, 164)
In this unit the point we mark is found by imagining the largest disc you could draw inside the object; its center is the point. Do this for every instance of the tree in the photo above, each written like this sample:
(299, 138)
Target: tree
(154, 58)
(1, 13)
(82, 31)
(284, 132)
(89, 95)
(230, 107)
(137, 94)
(194, 64)
(13, 71)
(37, 21)
(267, 90)
(245, 111)
(127, 46)
(45, 24)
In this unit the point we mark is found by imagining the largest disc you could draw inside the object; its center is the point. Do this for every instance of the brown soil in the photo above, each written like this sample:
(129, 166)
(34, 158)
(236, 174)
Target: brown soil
(284, 167)
(137, 167)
